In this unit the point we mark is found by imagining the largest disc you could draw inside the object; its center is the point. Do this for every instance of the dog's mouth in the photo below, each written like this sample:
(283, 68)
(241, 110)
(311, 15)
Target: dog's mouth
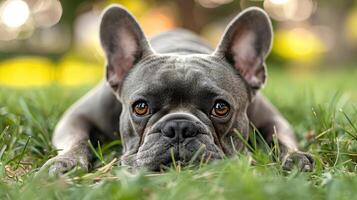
(157, 154)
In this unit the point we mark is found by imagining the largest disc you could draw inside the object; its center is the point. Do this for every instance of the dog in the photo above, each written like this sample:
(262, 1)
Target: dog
(175, 97)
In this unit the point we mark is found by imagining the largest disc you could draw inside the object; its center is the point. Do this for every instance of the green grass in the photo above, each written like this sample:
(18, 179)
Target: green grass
(322, 107)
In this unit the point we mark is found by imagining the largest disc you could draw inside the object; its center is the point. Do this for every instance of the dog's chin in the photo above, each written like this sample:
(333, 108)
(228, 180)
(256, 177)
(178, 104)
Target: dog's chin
(157, 154)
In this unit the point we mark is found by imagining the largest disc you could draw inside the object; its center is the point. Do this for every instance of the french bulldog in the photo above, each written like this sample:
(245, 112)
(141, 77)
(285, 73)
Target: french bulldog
(174, 97)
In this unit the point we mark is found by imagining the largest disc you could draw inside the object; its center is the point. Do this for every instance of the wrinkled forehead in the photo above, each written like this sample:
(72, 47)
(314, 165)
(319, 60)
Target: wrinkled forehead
(179, 76)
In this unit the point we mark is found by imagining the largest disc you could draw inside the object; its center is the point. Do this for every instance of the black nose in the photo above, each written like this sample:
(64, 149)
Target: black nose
(179, 128)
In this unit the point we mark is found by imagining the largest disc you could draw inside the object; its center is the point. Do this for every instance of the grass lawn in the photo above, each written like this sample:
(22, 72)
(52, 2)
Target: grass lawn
(321, 106)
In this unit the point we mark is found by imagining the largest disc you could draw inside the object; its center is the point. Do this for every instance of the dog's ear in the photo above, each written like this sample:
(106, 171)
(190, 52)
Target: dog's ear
(124, 43)
(246, 43)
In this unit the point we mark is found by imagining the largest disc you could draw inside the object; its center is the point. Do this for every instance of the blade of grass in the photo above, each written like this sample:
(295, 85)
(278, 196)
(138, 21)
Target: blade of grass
(100, 152)
(95, 151)
(2, 151)
(351, 123)
(23, 152)
(261, 138)
(243, 140)
(173, 157)
(197, 153)
(276, 145)
(110, 145)
(4, 132)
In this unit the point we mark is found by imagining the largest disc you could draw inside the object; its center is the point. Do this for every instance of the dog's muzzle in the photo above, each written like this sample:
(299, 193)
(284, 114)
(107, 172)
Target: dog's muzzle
(176, 137)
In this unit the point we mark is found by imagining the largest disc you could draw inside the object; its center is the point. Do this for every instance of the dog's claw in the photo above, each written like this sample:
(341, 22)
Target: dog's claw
(302, 160)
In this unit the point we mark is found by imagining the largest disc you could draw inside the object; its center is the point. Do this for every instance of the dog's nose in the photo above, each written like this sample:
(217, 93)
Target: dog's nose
(179, 128)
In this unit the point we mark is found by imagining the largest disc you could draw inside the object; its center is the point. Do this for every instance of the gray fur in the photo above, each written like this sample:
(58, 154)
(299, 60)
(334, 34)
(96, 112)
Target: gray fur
(180, 77)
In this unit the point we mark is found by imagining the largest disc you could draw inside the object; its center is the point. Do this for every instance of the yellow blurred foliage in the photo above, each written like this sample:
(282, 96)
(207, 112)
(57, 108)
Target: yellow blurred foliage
(74, 72)
(298, 45)
(351, 26)
(36, 71)
(135, 6)
(27, 71)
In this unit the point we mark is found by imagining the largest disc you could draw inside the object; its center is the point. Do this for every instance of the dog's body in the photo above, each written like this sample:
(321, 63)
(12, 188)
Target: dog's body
(184, 100)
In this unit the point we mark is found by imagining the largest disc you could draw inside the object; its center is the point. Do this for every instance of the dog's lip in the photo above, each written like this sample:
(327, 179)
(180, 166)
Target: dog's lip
(169, 158)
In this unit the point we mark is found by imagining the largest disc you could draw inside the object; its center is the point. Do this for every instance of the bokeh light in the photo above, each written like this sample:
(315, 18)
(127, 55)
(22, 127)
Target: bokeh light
(298, 44)
(47, 13)
(86, 35)
(157, 20)
(14, 13)
(294, 10)
(279, 1)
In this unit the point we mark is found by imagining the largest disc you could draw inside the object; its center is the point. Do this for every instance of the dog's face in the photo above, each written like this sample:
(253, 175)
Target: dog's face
(184, 108)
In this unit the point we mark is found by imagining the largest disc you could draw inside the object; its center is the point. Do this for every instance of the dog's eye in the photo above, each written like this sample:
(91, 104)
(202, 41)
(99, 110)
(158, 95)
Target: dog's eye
(220, 109)
(141, 108)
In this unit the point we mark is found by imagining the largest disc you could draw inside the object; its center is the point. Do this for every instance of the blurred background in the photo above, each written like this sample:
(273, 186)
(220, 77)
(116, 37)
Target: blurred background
(44, 42)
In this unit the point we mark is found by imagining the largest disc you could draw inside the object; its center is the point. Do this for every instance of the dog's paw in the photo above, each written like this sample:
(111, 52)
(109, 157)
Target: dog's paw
(64, 163)
(303, 161)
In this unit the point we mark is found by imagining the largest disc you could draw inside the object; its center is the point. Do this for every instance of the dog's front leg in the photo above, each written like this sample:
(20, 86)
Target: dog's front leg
(267, 119)
(95, 115)
(71, 139)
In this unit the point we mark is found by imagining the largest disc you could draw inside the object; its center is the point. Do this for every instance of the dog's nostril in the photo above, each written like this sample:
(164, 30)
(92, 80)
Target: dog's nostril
(189, 131)
(169, 130)
(179, 128)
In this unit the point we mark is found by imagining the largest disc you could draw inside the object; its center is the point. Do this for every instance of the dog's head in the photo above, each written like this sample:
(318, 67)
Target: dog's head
(184, 108)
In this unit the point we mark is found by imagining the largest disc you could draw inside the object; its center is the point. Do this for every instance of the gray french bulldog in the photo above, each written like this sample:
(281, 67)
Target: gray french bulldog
(174, 98)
